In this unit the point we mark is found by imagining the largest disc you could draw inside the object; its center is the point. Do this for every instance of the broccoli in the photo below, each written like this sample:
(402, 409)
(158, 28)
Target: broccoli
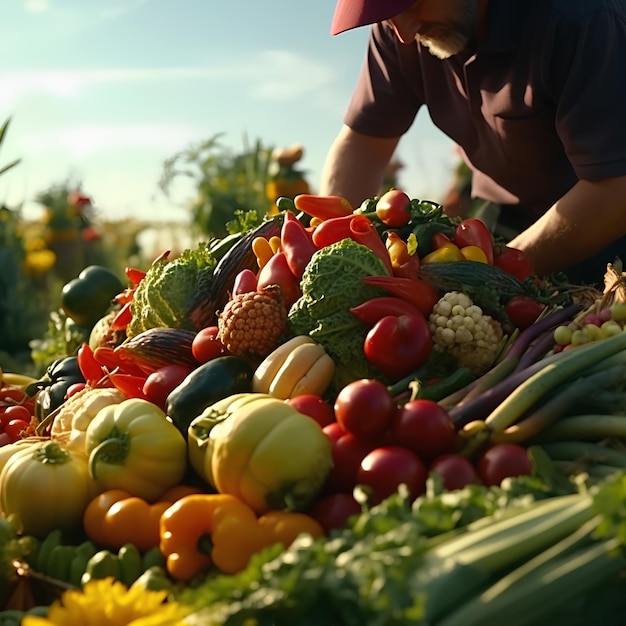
(331, 285)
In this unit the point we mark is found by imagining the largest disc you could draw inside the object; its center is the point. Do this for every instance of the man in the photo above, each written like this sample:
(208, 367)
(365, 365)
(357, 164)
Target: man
(533, 92)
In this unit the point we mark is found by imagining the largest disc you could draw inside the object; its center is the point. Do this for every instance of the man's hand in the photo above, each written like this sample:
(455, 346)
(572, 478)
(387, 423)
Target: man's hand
(586, 219)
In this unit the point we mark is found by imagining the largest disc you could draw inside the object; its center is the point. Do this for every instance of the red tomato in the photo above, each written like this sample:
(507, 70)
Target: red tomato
(385, 468)
(15, 428)
(10, 394)
(206, 346)
(398, 345)
(334, 510)
(313, 406)
(512, 261)
(424, 427)
(347, 452)
(15, 412)
(523, 311)
(364, 408)
(160, 383)
(4, 439)
(393, 208)
(455, 470)
(474, 232)
(501, 461)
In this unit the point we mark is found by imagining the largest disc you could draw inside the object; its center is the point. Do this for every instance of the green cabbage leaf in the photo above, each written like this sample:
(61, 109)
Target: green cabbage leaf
(331, 285)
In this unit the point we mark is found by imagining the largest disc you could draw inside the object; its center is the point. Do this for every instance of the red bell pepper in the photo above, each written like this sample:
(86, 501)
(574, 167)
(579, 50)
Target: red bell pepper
(245, 282)
(277, 272)
(323, 207)
(416, 291)
(297, 244)
(370, 311)
(474, 232)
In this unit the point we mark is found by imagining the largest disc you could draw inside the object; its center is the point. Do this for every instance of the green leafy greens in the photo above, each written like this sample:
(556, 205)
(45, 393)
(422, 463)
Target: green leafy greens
(170, 290)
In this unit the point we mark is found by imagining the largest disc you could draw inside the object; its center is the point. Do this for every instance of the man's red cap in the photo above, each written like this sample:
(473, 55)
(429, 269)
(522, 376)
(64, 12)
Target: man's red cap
(353, 13)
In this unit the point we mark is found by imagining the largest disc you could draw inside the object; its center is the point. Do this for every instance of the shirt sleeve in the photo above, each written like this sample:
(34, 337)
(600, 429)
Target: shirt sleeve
(385, 101)
(587, 76)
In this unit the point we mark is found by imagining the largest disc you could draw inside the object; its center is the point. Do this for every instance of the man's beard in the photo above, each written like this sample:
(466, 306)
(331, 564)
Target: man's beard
(446, 42)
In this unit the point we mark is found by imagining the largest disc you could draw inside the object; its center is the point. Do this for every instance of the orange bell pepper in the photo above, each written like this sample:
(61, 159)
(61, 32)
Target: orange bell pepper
(403, 263)
(200, 531)
(116, 517)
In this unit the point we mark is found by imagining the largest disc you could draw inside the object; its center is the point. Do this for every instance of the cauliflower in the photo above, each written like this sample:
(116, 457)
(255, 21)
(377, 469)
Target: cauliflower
(460, 327)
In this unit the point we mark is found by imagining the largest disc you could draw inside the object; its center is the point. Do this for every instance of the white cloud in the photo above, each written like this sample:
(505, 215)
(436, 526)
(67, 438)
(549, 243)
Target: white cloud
(79, 141)
(36, 6)
(270, 75)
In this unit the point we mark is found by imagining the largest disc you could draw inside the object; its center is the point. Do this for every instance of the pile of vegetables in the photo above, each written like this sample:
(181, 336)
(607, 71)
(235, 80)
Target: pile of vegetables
(350, 415)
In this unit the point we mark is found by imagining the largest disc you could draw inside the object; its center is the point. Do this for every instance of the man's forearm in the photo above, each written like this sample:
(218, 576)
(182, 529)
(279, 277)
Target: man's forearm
(589, 217)
(355, 166)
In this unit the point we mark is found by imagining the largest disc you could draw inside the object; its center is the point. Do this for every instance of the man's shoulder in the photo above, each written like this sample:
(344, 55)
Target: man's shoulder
(580, 9)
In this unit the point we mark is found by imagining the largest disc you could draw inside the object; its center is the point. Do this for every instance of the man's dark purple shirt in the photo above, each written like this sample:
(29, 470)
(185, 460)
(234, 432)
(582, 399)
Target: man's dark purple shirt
(540, 104)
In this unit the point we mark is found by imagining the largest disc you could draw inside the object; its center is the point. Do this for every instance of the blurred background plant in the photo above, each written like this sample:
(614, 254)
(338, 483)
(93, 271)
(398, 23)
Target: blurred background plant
(224, 182)
(231, 191)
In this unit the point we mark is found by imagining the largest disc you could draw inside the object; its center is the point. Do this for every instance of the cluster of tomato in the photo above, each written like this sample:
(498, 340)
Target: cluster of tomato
(16, 410)
(380, 445)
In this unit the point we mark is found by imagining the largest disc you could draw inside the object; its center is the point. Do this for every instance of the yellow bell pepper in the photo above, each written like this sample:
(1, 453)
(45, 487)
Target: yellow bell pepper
(474, 253)
(447, 253)
(46, 486)
(270, 456)
(133, 446)
(204, 530)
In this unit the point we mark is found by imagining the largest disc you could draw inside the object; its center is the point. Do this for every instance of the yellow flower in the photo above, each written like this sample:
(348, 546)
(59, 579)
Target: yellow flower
(108, 602)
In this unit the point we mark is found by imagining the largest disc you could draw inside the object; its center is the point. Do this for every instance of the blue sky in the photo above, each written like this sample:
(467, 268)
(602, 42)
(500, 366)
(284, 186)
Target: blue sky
(103, 92)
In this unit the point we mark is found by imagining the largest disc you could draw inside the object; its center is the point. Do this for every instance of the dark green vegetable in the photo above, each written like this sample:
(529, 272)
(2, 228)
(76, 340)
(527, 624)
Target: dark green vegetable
(208, 383)
(238, 257)
(87, 298)
(52, 387)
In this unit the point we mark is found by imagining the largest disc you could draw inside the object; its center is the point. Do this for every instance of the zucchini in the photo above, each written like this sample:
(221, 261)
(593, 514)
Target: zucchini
(487, 285)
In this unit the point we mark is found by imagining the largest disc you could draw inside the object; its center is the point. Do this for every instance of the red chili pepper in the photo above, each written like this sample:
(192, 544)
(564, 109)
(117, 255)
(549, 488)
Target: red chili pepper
(90, 368)
(332, 230)
(111, 360)
(323, 207)
(134, 275)
(370, 311)
(296, 243)
(364, 232)
(418, 292)
(474, 232)
(131, 386)
(122, 318)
